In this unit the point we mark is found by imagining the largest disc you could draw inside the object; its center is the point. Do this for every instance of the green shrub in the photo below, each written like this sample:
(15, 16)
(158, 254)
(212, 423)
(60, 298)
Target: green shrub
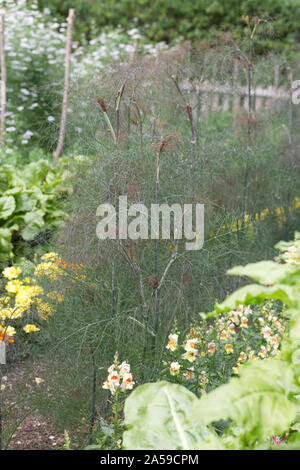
(169, 20)
(30, 203)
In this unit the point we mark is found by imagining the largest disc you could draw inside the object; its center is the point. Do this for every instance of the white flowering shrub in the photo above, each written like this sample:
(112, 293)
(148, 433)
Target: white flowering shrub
(34, 58)
(35, 54)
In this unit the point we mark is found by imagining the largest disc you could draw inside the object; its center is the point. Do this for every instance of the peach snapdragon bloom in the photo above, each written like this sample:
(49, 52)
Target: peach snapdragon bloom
(174, 368)
(173, 342)
(119, 377)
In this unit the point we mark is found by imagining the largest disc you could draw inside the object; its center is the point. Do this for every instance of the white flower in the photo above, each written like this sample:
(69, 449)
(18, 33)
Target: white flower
(266, 332)
(173, 342)
(27, 135)
(174, 368)
(51, 118)
(191, 345)
(127, 383)
(25, 91)
(124, 369)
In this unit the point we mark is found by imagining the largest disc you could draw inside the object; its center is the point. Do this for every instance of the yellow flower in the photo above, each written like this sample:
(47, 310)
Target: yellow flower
(50, 256)
(264, 213)
(174, 368)
(189, 374)
(48, 269)
(234, 317)
(243, 356)
(10, 331)
(252, 356)
(11, 273)
(54, 295)
(236, 369)
(228, 348)
(6, 334)
(13, 286)
(262, 352)
(211, 348)
(223, 335)
(5, 300)
(6, 313)
(25, 296)
(44, 309)
(244, 322)
(30, 328)
(173, 342)
(190, 356)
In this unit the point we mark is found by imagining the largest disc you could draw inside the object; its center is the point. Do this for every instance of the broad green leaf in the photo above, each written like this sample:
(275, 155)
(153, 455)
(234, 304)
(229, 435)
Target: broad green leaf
(160, 416)
(34, 223)
(5, 242)
(13, 191)
(284, 246)
(35, 172)
(259, 402)
(7, 206)
(35, 217)
(255, 293)
(294, 324)
(12, 176)
(25, 202)
(267, 272)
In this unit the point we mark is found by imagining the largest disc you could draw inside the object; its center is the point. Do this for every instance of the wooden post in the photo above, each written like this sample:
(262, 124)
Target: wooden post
(276, 75)
(133, 54)
(3, 80)
(291, 110)
(64, 110)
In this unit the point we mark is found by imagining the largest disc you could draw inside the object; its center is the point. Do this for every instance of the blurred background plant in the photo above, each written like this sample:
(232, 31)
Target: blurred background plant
(170, 20)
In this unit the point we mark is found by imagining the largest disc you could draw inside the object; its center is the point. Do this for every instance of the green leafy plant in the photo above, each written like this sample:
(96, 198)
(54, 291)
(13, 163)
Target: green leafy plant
(261, 404)
(30, 202)
(169, 19)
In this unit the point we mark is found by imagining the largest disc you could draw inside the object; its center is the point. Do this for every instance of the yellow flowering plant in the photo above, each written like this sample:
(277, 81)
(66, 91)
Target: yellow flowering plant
(24, 304)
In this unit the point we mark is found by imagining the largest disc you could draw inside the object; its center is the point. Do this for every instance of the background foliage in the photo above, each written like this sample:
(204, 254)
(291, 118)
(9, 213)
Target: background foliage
(169, 20)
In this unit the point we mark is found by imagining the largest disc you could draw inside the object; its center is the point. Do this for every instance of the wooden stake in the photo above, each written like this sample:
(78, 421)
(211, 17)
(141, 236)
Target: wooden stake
(3, 80)
(64, 110)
